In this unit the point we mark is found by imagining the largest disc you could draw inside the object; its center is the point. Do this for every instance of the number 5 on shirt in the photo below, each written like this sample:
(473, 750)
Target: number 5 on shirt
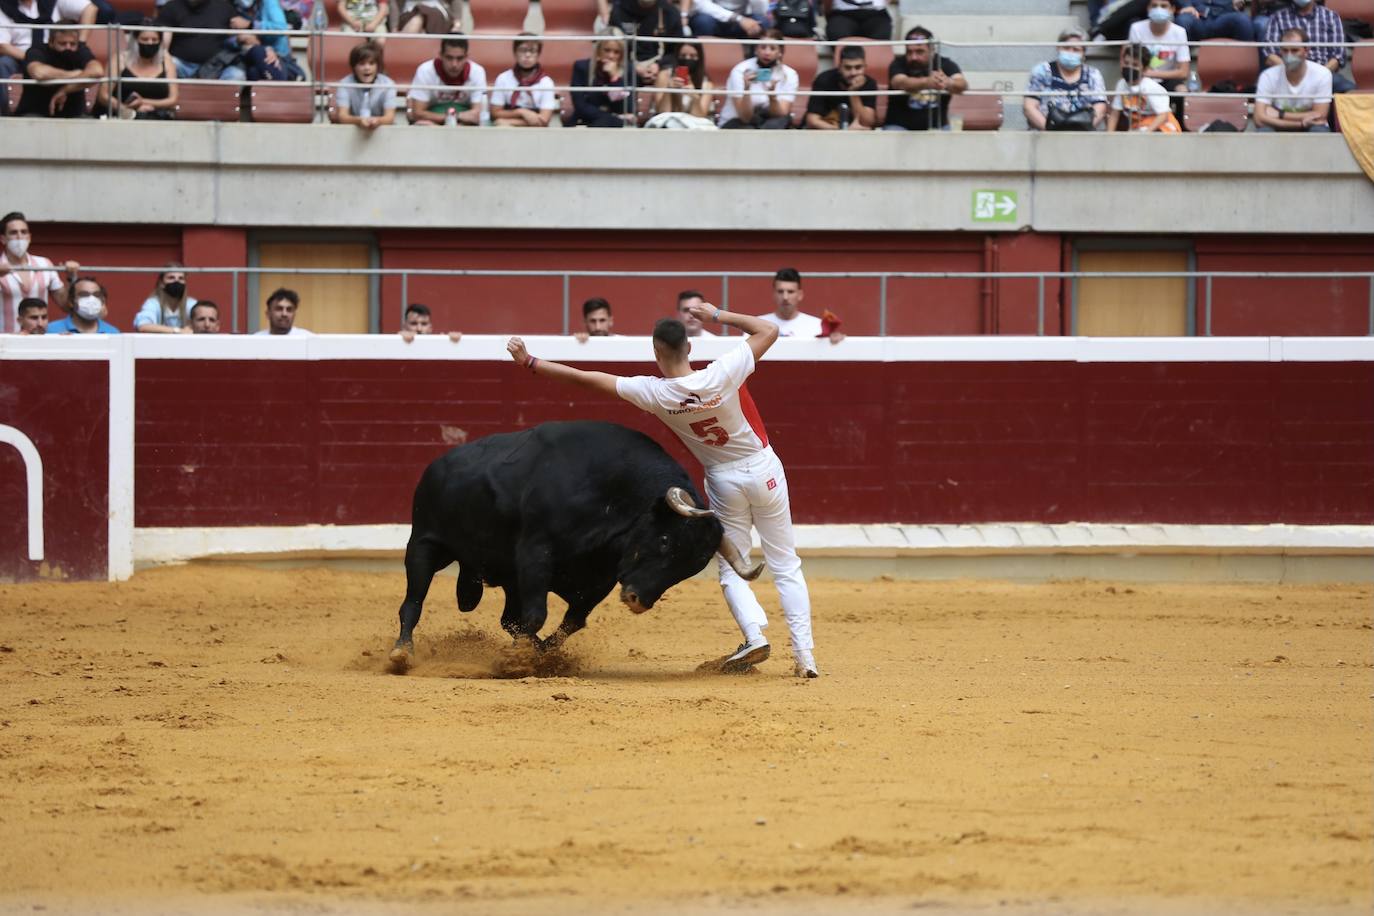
(708, 432)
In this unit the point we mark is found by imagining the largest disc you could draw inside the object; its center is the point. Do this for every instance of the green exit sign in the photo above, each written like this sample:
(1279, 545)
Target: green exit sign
(994, 206)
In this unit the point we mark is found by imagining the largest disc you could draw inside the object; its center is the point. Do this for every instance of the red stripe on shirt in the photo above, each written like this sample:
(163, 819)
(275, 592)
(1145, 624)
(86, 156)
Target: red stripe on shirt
(751, 415)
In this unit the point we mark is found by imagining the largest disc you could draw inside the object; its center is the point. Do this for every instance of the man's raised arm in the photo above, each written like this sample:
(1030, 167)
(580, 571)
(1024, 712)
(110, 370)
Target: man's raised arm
(762, 334)
(603, 382)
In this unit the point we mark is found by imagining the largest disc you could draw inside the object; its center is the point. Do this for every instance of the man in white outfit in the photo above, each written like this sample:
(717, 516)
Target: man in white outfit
(711, 411)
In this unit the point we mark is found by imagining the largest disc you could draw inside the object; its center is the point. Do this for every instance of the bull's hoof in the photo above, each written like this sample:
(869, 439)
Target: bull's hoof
(401, 656)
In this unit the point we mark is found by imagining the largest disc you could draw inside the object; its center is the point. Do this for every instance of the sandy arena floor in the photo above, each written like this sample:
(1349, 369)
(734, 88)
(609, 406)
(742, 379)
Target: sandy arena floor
(223, 738)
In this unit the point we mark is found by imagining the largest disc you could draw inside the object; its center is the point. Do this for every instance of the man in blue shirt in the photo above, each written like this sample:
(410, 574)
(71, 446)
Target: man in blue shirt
(87, 310)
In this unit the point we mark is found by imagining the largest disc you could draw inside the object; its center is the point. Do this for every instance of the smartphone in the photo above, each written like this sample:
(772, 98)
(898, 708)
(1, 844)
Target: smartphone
(763, 75)
(683, 74)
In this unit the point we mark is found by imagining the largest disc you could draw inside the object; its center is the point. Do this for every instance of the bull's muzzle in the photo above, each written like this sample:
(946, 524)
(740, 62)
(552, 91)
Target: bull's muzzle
(631, 599)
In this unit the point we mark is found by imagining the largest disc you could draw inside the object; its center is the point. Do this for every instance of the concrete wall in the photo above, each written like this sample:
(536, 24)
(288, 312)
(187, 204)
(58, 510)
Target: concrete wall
(322, 175)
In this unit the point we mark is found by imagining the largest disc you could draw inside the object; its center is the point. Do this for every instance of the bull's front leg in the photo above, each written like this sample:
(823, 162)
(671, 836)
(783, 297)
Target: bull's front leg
(579, 606)
(527, 605)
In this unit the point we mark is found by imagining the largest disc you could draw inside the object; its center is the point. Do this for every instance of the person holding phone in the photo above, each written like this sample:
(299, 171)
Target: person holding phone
(695, 89)
(760, 90)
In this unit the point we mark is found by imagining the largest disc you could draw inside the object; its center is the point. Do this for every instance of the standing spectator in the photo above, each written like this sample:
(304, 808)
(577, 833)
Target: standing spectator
(689, 74)
(16, 42)
(363, 15)
(27, 276)
(648, 20)
(1142, 100)
(929, 79)
(281, 314)
(433, 17)
(86, 312)
(449, 89)
(760, 90)
(147, 87)
(1325, 32)
(205, 317)
(1167, 43)
(856, 111)
(367, 97)
(523, 96)
(1296, 95)
(596, 320)
(1204, 19)
(418, 320)
(787, 314)
(193, 50)
(729, 18)
(1061, 88)
(54, 64)
(686, 300)
(167, 310)
(866, 18)
(33, 316)
(605, 71)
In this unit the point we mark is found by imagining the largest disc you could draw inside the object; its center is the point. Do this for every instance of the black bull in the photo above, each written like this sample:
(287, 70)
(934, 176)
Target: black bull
(568, 508)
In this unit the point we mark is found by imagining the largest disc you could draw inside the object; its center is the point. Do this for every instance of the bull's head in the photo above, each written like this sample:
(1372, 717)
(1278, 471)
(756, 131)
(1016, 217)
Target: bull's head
(673, 541)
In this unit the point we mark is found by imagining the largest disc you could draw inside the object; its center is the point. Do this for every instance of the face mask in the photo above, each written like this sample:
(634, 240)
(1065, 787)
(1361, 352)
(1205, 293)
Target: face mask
(17, 247)
(1160, 14)
(1131, 75)
(1293, 61)
(148, 52)
(67, 60)
(89, 307)
(175, 290)
(1070, 60)
(1302, 4)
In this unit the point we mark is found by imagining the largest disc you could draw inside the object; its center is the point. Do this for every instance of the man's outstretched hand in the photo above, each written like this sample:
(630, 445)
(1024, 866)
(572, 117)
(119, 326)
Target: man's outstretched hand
(516, 348)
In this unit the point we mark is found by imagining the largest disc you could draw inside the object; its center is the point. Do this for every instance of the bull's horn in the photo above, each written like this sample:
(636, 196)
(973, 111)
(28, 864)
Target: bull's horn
(681, 503)
(737, 562)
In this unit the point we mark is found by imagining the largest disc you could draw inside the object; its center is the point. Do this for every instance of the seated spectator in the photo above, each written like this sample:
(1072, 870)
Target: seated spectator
(787, 314)
(729, 18)
(856, 111)
(15, 42)
(760, 90)
(205, 317)
(523, 96)
(33, 316)
(928, 78)
(27, 276)
(865, 18)
(1325, 33)
(449, 89)
(1167, 43)
(193, 51)
(54, 64)
(144, 59)
(367, 97)
(688, 74)
(433, 17)
(685, 300)
(167, 310)
(363, 16)
(1263, 11)
(1204, 19)
(281, 314)
(267, 56)
(596, 320)
(1141, 99)
(418, 320)
(604, 71)
(1296, 95)
(86, 313)
(647, 20)
(1066, 90)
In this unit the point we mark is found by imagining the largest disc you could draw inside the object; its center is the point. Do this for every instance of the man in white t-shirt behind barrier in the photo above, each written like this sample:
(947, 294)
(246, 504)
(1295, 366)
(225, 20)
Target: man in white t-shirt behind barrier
(787, 314)
(711, 411)
(1296, 95)
(450, 89)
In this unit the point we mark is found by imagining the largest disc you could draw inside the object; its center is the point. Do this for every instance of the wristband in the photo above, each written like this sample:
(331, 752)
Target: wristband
(530, 363)
(716, 316)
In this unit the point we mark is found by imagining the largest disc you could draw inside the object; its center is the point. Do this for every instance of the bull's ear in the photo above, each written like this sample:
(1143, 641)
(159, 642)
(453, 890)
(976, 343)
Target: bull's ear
(680, 501)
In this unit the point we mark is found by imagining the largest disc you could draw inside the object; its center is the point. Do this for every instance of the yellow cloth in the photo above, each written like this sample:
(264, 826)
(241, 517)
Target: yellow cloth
(1356, 113)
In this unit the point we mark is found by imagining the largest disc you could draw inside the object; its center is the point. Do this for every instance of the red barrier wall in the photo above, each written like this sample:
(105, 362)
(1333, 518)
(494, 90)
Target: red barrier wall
(223, 443)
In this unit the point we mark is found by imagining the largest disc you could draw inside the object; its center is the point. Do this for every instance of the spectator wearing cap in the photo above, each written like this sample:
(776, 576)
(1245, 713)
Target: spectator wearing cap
(448, 84)
(1294, 96)
(929, 80)
(864, 18)
(16, 42)
(281, 314)
(419, 321)
(205, 317)
(649, 20)
(86, 314)
(729, 18)
(685, 301)
(24, 275)
(596, 320)
(604, 100)
(167, 310)
(1204, 19)
(367, 96)
(63, 58)
(1059, 89)
(760, 90)
(33, 316)
(788, 316)
(1325, 35)
(856, 111)
(523, 96)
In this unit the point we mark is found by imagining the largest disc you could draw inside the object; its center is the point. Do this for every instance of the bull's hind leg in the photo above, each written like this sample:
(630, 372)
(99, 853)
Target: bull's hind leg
(469, 588)
(527, 602)
(424, 558)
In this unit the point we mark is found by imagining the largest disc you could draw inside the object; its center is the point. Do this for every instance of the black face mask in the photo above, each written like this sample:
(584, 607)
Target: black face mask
(1131, 75)
(67, 60)
(148, 52)
(175, 290)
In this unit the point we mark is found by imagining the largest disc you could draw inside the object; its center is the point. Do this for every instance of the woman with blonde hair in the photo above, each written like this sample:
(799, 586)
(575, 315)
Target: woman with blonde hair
(168, 309)
(604, 72)
(147, 81)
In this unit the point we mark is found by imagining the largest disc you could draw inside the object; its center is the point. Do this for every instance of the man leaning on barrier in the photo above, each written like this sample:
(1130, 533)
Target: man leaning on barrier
(928, 78)
(1294, 96)
(15, 40)
(54, 64)
(1325, 34)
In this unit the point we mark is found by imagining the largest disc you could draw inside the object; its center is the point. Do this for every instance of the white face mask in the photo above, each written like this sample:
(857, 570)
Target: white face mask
(17, 247)
(89, 307)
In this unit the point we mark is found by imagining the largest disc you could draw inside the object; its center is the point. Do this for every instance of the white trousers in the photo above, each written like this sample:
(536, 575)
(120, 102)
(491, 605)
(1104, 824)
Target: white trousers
(752, 493)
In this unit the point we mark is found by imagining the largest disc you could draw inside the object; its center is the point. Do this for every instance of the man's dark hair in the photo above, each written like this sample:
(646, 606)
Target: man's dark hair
(203, 304)
(367, 51)
(9, 218)
(775, 35)
(596, 303)
(671, 333)
(30, 303)
(453, 43)
(787, 275)
(99, 288)
(920, 31)
(689, 294)
(527, 38)
(416, 308)
(852, 52)
(290, 295)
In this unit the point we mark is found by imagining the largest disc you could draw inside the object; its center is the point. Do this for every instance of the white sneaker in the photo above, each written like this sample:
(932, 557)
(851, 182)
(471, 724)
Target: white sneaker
(806, 665)
(748, 653)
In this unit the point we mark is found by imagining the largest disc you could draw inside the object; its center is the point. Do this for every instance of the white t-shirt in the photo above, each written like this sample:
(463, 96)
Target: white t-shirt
(294, 332)
(1274, 88)
(784, 77)
(33, 284)
(1152, 96)
(799, 325)
(1170, 48)
(65, 11)
(428, 89)
(538, 97)
(710, 410)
